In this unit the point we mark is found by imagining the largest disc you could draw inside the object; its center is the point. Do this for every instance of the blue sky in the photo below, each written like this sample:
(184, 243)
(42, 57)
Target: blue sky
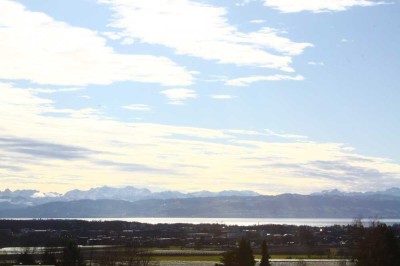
(269, 95)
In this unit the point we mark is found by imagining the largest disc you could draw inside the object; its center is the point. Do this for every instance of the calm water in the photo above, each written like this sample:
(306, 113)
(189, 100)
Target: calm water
(241, 221)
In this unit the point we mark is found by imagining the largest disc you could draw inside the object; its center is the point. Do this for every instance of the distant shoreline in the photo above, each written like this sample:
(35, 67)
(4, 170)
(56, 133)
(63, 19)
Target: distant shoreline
(231, 221)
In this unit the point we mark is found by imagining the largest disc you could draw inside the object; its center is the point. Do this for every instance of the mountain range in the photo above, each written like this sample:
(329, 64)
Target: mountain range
(105, 202)
(30, 197)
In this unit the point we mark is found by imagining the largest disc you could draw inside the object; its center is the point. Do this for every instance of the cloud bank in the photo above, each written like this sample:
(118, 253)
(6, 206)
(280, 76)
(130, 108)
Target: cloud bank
(203, 31)
(86, 150)
(37, 48)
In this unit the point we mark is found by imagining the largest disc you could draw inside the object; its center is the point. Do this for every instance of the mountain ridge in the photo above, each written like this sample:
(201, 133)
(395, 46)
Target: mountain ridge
(30, 197)
(281, 206)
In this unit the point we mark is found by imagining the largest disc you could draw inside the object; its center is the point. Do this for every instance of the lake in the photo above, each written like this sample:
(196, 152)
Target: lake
(238, 221)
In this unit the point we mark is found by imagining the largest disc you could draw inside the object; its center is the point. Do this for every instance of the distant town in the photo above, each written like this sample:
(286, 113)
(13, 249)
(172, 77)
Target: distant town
(56, 232)
(289, 241)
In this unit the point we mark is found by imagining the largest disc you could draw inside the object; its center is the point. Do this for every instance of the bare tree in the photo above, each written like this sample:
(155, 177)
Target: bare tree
(127, 256)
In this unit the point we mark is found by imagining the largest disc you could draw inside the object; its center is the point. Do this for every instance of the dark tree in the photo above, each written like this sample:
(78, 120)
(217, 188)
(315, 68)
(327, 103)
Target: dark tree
(265, 255)
(230, 258)
(305, 235)
(241, 256)
(49, 257)
(245, 256)
(26, 258)
(378, 246)
(72, 255)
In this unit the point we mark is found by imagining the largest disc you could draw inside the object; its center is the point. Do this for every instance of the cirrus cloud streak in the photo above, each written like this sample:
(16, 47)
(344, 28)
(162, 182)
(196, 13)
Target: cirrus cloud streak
(245, 81)
(316, 6)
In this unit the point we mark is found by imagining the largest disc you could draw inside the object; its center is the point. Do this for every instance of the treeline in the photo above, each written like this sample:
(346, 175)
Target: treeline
(70, 224)
(376, 245)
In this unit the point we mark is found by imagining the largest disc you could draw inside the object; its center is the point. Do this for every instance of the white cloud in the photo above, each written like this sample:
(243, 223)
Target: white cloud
(291, 6)
(42, 195)
(245, 132)
(178, 96)
(244, 2)
(112, 35)
(116, 153)
(137, 107)
(284, 135)
(127, 41)
(268, 38)
(268, 132)
(245, 81)
(223, 97)
(257, 21)
(202, 30)
(37, 48)
(49, 91)
(314, 63)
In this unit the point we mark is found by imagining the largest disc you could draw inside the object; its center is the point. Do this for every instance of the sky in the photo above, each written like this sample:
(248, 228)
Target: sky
(274, 96)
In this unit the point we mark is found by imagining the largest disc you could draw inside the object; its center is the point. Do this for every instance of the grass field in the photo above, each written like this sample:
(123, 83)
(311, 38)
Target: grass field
(217, 258)
(187, 258)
